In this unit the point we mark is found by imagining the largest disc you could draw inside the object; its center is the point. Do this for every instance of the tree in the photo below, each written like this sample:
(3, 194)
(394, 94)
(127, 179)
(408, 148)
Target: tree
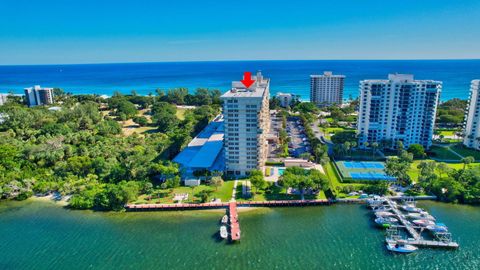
(398, 168)
(298, 178)
(140, 120)
(375, 146)
(216, 182)
(417, 150)
(164, 116)
(319, 179)
(257, 180)
(173, 182)
(467, 160)
(442, 168)
(204, 195)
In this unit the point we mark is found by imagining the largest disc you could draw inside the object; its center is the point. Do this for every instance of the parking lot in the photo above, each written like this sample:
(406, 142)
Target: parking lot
(298, 140)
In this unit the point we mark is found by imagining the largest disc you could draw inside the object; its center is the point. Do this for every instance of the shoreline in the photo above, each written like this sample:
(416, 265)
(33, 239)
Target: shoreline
(55, 198)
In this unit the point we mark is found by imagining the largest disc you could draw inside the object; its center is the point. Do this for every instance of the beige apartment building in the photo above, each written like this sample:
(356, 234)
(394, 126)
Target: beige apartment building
(326, 89)
(247, 123)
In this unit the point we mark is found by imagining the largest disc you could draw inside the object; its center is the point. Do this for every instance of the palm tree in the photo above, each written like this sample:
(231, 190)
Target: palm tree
(347, 146)
(366, 144)
(442, 168)
(374, 149)
(467, 160)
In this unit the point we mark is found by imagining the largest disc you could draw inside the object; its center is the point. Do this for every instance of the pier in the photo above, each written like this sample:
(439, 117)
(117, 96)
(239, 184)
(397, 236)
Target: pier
(233, 221)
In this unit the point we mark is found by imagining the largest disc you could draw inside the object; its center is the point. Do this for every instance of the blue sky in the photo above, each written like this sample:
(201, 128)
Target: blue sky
(87, 31)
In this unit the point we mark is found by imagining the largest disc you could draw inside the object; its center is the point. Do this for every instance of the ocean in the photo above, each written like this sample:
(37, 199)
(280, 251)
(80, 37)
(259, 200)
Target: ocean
(41, 235)
(286, 76)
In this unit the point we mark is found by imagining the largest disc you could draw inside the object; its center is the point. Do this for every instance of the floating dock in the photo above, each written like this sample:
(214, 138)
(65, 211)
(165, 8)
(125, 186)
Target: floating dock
(416, 238)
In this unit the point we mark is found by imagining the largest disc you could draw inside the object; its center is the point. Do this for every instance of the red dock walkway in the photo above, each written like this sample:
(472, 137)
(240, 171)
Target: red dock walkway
(187, 206)
(234, 224)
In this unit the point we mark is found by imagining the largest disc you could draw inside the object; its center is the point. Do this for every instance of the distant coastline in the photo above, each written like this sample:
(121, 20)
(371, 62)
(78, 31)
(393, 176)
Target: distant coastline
(291, 76)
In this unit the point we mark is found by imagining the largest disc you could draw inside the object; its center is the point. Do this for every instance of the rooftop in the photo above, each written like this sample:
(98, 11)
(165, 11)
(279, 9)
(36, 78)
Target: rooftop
(203, 151)
(400, 78)
(257, 89)
(327, 74)
(37, 87)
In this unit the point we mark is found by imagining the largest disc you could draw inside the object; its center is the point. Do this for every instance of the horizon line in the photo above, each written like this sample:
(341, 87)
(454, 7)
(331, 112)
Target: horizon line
(239, 60)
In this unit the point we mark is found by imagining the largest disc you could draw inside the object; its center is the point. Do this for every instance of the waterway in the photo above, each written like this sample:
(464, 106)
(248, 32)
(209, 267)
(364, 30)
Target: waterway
(42, 235)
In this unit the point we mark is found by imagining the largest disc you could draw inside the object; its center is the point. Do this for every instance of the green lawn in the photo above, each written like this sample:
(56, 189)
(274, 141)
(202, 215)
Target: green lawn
(447, 132)
(330, 131)
(277, 193)
(443, 153)
(181, 113)
(413, 172)
(460, 149)
(223, 193)
(333, 176)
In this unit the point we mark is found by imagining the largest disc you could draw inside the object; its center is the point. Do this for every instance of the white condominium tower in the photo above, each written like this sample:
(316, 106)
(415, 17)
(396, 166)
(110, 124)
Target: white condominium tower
(38, 96)
(472, 122)
(397, 109)
(247, 122)
(326, 89)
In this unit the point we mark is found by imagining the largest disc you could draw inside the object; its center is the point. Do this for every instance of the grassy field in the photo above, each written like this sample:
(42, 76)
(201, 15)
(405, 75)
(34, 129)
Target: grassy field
(330, 131)
(447, 132)
(278, 193)
(460, 149)
(443, 153)
(413, 172)
(181, 113)
(223, 193)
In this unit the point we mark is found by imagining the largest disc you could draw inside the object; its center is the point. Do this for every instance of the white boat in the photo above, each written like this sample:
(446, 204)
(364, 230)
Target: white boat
(386, 221)
(438, 228)
(375, 201)
(225, 219)
(382, 208)
(400, 246)
(423, 222)
(384, 214)
(422, 215)
(411, 208)
(223, 232)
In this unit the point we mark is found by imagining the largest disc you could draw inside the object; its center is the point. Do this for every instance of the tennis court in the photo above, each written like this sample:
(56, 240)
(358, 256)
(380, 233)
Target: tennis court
(363, 171)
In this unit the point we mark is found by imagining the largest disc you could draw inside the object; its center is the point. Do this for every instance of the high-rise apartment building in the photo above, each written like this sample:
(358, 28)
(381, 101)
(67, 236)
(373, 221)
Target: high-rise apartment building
(38, 96)
(472, 121)
(397, 109)
(284, 98)
(3, 98)
(247, 122)
(326, 89)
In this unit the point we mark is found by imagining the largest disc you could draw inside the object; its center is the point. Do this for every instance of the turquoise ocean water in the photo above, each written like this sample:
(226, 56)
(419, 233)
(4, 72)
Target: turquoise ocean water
(286, 76)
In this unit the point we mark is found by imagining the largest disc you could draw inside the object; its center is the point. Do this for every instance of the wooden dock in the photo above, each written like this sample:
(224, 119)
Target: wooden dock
(233, 221)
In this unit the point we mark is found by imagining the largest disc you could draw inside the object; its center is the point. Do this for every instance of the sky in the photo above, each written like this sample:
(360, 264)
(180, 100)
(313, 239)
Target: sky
(110, 31)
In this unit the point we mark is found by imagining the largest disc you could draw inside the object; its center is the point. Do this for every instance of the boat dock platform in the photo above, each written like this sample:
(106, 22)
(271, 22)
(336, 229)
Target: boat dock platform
(233, 221)
(403, 220)
(415, 231)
